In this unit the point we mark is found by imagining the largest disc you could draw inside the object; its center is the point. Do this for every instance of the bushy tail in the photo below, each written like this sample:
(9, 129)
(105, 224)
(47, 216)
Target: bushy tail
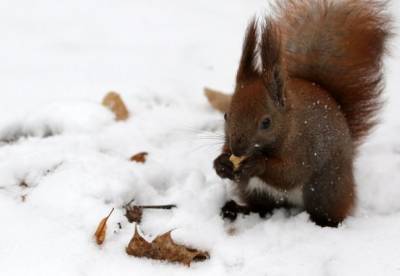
(338, 45)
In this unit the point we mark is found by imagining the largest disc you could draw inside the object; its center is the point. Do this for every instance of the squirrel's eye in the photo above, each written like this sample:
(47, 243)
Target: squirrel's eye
(266, 123)
(225, 116)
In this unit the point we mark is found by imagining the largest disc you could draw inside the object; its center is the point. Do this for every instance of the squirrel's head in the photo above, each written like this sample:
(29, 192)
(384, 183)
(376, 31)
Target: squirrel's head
(255, 122)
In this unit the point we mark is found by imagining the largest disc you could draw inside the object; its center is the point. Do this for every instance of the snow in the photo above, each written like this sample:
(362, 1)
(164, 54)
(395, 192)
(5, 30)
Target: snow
(71, 165)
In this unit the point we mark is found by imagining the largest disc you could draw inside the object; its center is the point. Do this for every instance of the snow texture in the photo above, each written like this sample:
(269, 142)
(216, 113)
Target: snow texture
(64, 161)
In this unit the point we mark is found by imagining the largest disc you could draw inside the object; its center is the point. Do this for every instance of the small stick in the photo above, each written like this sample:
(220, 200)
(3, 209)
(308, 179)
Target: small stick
(165, 207)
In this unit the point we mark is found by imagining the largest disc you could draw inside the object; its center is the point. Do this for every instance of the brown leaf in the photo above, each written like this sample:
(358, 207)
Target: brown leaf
(114, 102)
(100, 234)
(164, 248)
(23, 184)
(139, 247)
(134, 214)
(218, 100)
(139, 157)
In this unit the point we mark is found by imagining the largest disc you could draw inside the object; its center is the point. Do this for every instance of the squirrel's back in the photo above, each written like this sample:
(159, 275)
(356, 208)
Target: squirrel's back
(339, 45)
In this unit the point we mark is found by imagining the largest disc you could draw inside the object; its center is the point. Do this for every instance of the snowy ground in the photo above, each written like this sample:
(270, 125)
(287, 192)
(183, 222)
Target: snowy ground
(59, 58)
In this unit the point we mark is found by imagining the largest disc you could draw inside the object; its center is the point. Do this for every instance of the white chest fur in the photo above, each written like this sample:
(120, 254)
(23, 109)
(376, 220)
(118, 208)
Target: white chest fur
(294, 196)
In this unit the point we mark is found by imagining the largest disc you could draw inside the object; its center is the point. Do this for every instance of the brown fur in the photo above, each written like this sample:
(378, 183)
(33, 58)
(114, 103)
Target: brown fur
(317, 92)
(339, 45)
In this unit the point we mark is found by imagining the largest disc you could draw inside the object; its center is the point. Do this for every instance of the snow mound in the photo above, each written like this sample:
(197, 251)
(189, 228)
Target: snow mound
(57, 118)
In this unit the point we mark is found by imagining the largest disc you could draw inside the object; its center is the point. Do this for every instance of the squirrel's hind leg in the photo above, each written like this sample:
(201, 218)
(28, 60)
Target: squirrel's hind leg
(329, 196)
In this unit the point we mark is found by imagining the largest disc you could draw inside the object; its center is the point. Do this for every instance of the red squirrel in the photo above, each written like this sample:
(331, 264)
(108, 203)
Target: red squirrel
(308, 89)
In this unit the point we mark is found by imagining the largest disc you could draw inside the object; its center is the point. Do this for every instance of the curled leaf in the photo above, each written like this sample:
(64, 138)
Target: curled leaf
(139, 157)
(100, 233)
(218, 100)
(164, 248)
(134, 214)
(114, 102)
(23, 184)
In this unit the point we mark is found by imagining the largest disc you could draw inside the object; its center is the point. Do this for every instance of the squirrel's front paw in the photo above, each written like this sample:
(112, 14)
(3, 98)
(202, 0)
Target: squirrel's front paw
(223, 166)
(250, 167)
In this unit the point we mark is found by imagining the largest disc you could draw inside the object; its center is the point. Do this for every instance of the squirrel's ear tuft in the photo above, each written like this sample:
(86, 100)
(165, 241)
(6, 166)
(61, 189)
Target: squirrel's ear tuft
(273, 72)
(247, 69)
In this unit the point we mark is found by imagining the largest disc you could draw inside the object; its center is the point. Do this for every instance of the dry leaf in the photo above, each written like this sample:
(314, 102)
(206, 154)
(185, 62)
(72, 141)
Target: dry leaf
(23, 184)
(179, 253)
(236, 160)
(164, 248)
(134, 214)
(139, 247)
(139, 157)
(100, 234)
(114, 102)
(218, 100)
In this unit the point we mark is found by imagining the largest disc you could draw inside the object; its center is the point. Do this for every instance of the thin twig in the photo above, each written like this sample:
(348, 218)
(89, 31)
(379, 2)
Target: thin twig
(166, 207)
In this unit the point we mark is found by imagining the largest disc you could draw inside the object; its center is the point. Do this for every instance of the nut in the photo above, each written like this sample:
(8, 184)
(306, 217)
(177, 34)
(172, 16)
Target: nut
(236, 160)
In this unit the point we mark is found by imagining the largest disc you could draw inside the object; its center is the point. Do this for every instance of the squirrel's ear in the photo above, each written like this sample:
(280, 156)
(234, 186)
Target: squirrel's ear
(273, 72)
(246, 69)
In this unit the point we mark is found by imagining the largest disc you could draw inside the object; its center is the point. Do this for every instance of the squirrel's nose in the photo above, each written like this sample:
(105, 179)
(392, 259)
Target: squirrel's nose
(238, 147)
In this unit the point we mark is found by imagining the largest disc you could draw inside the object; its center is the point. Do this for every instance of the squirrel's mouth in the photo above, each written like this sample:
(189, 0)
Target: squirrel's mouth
(262, 150)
